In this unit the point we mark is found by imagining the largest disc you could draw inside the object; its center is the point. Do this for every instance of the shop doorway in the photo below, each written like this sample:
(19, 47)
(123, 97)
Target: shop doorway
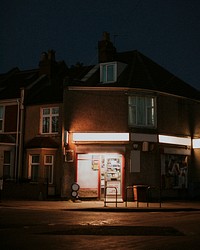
(96, 171)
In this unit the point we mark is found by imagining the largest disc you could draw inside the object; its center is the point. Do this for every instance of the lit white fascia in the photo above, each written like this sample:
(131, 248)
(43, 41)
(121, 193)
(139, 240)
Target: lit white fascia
(196, 143)
(174, 140)
(100, 137)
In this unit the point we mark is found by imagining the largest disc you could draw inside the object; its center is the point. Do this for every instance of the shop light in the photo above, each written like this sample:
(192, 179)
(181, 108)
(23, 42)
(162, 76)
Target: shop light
(100, 137)
(66, 137)
(174, 140)
(196, 143)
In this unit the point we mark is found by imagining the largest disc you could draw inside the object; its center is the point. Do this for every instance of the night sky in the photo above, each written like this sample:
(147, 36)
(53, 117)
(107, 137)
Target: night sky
(167, 31)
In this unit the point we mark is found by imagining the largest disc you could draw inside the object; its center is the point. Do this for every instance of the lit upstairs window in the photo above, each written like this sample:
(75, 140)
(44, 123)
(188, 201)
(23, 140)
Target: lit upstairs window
(108, 72)
(50, 118)
(142, 111)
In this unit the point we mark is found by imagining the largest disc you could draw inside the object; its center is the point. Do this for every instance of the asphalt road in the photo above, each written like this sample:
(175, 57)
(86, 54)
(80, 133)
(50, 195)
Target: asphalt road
(30, 229)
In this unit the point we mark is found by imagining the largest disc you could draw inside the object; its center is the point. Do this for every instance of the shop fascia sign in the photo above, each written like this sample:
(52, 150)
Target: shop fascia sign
(184, 141)
(100, 137)
(124, 137)
(175, 140)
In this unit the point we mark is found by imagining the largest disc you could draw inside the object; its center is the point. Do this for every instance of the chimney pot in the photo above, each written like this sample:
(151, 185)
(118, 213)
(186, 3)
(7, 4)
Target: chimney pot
(106, 36)
(106, 50)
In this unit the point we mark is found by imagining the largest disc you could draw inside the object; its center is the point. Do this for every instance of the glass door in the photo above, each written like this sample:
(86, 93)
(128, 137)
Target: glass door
(111, 174)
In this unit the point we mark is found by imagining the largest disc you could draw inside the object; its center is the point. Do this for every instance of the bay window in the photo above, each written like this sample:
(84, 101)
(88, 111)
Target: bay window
(48, 165)
(34, 167)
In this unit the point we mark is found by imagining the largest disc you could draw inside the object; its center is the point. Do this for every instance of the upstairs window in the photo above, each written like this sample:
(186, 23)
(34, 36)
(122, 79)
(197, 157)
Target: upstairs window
(108, 72)
(1, 117)
(142, 112)
(50, 117)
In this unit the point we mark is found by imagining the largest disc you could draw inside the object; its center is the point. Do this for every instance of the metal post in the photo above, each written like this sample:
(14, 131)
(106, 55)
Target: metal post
(105, 192)
(128, 187)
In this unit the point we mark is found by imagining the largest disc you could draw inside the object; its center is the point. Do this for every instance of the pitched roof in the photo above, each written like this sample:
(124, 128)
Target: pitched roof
(14, 80)
(39, 88)
(141, 72)
(4, 138)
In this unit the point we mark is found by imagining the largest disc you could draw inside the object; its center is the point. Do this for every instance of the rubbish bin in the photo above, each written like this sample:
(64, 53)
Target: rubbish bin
(140, 193)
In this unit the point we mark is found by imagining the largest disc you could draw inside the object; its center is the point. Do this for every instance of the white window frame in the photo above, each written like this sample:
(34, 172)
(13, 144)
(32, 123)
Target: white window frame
(32, 165)
(7, 164)
(50, 166)
(2, 118)
(104, 72)
(50, 115)
(135, 116)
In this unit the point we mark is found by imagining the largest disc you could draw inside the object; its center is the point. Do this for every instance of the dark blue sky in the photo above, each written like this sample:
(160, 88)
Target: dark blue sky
(167, 31)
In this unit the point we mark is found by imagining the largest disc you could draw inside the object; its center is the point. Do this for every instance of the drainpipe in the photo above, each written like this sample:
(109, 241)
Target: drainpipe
(17, 140)
(21, 134)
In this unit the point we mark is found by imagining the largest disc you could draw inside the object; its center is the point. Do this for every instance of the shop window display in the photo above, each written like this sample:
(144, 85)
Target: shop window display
(174, 171)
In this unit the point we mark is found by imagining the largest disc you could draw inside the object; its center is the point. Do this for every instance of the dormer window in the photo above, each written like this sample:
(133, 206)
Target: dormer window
(108, 72)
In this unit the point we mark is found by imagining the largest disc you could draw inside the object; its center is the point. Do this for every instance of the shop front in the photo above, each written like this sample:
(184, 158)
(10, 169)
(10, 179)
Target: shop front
(100, 164)
(175, 166)
(97, 171)
(174, 171)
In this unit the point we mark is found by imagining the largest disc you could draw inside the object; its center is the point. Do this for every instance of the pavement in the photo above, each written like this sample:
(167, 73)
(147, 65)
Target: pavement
(100, 206)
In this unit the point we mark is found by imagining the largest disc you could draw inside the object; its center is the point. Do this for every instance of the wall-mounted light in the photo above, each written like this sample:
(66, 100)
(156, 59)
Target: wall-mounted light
(135, 146)
(66, 137)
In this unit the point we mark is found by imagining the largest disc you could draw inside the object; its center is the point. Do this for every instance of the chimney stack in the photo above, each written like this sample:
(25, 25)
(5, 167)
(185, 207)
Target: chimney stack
(106, 50)
(47, 63)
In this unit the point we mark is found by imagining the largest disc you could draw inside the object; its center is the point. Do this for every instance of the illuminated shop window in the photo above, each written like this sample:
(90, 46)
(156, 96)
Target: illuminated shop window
(174, 171)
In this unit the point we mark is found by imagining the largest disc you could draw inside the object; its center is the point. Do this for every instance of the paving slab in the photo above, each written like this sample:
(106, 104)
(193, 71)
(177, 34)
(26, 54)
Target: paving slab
(100, 206)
